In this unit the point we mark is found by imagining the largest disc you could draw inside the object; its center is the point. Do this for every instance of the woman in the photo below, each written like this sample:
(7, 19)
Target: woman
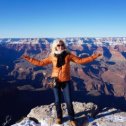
(60, 57)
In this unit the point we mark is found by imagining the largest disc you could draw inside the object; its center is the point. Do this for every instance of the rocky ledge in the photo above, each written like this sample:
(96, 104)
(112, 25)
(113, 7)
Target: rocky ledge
(85, 114)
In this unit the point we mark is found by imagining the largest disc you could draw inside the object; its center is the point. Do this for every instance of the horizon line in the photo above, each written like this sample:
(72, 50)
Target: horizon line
(63, 37)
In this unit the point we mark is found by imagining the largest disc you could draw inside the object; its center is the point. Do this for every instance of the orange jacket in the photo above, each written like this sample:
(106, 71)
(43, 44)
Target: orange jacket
(62, 73)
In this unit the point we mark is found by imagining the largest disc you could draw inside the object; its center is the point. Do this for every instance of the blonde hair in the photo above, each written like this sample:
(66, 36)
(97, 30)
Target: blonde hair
(55, 43)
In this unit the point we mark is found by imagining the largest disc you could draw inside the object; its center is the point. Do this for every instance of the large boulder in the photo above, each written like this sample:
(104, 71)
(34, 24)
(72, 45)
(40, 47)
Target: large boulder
(46, 114)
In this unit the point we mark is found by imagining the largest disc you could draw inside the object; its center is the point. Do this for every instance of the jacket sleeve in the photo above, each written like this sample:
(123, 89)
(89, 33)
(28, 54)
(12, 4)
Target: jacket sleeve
(79, 60)
(42, 62)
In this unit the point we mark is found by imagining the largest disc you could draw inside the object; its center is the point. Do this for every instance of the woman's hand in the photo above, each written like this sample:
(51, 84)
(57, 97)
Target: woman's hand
(25, 57)
(96, 55)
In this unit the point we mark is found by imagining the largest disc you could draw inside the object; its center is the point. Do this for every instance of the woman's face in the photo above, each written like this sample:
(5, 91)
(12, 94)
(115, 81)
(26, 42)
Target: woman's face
(60, 46)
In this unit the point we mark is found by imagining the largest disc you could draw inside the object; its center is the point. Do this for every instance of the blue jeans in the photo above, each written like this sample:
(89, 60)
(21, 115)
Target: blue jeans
(65, 87)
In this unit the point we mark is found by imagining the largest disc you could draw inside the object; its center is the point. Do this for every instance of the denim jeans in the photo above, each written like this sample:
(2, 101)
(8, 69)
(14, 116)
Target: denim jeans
(65, 88)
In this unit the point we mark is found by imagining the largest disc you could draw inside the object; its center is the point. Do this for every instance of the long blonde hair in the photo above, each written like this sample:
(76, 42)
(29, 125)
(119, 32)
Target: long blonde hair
(55, 43)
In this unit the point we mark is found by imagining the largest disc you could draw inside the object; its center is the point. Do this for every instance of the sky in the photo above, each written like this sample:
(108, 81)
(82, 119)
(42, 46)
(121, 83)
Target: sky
(62, 18)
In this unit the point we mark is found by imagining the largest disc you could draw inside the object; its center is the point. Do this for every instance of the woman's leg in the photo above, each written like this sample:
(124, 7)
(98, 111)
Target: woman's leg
(67, 97)
(57, 95)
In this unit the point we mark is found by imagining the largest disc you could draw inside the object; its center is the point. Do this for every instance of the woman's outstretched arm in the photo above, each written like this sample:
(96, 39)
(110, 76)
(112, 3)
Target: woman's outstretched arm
(36, 62)
(79, 60)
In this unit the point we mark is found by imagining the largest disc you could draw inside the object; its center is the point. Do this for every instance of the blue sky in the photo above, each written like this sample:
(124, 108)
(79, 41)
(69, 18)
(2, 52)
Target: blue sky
(62, 18)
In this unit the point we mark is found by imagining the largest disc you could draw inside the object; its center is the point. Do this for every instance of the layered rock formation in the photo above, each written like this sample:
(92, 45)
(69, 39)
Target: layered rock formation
(106, 74)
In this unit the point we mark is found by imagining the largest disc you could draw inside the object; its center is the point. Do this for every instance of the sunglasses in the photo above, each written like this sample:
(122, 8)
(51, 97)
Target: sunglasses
(60, 45)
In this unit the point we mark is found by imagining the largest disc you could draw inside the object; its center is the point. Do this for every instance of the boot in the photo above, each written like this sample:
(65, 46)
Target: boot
(73, 123)
(58, 121)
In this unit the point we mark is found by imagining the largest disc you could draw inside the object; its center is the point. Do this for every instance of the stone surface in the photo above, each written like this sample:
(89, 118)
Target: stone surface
(45, 116)
(110, 117)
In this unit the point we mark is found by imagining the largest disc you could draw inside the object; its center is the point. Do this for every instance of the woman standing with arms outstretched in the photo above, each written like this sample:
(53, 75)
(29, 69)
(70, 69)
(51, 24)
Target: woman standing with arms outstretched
(60, 57)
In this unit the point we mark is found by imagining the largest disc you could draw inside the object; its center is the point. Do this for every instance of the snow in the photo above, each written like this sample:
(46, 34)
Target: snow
(27, 122)
(116, 118)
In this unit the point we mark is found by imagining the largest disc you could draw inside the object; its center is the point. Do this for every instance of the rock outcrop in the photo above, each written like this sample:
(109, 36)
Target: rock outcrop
(46, 114)
(85, 114)
(110, 117)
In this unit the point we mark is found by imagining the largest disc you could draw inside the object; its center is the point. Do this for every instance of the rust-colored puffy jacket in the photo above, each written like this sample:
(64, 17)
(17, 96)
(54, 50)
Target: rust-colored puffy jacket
(63, 73)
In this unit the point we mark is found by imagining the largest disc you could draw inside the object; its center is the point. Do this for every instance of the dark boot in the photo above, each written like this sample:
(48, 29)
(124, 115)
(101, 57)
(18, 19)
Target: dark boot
(58, 121)
(73, 123)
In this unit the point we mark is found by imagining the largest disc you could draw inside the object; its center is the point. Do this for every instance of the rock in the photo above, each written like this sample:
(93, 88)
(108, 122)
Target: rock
(110, 117)
(106, 74)
(46, 114)
(28, 122)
